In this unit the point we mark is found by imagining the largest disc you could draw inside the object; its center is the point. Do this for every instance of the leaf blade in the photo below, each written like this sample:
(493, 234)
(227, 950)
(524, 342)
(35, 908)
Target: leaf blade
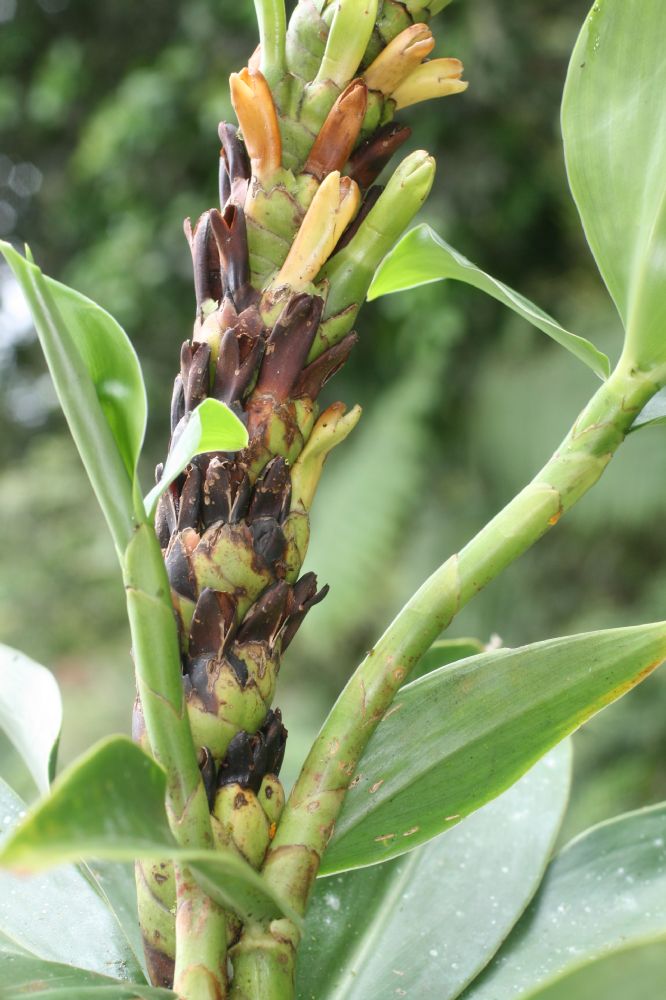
(422, 257)
(638, 973)
(109, 805)
(652, 414)
(618, 871)
(365, 933)
(614, 129)
(30, 713)
(59, 917)
(98, 382)
(24, 975)
(443, 652)
(487, 719)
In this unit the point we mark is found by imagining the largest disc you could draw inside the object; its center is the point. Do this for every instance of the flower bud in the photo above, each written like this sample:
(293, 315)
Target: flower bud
(257, 117)
(436, 78)
(339, 133)
(243, 821)
(368, 161)
(399, 58)
(332, 427)
(351, 270)
(333, 207)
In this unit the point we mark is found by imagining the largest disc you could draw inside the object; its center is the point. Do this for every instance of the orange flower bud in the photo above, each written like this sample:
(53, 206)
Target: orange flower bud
(257, 117)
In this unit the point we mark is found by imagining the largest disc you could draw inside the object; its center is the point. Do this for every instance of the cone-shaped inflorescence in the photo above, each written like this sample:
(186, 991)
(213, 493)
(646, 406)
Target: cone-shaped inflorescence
(280, 271)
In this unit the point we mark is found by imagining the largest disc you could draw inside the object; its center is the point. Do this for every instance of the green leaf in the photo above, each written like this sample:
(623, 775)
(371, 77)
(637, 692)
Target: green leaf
(653, 413)
(603, 894)
(458, 737)
(614, 127)
(422, 257)
(115, 883)
(427, 923)
(59, 917)
(24, 975)
(638, 974)
(30, 713)
(443, 652)
(109, 805)
(99, 384)
(212, 426)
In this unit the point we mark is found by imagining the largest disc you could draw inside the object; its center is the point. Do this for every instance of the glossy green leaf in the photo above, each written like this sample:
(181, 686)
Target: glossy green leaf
(30, 713)
(99, 384)
(614, 126)
(422, 257)
(458, 737)
(603, 894)
(109, 805)
(428, 922)
(638, 974)
(212, 426)
(23, 975)
(115, 883)
(59, 917)
(443, 652)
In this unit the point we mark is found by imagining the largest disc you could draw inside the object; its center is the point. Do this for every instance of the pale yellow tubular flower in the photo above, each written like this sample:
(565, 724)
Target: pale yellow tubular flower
(403, 54)
(333, 207)
(436, 78)
(257, 117)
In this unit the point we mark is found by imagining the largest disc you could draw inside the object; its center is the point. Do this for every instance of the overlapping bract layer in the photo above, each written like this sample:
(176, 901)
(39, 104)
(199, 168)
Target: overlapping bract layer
(280, 271)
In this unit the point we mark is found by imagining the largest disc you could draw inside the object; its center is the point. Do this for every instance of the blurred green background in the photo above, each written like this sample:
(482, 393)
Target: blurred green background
(108, 116)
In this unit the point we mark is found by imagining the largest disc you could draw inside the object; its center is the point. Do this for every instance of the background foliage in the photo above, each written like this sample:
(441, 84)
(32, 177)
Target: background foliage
(108, 117)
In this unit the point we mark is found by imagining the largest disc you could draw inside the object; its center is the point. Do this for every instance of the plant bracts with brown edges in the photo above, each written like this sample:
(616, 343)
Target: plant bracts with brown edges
(280, 272)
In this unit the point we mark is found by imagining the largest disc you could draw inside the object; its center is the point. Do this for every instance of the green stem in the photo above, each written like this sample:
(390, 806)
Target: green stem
(315, 801)
(201, 936)
(159, 678)
(157, 662)
(264, 962)
(272, 20)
